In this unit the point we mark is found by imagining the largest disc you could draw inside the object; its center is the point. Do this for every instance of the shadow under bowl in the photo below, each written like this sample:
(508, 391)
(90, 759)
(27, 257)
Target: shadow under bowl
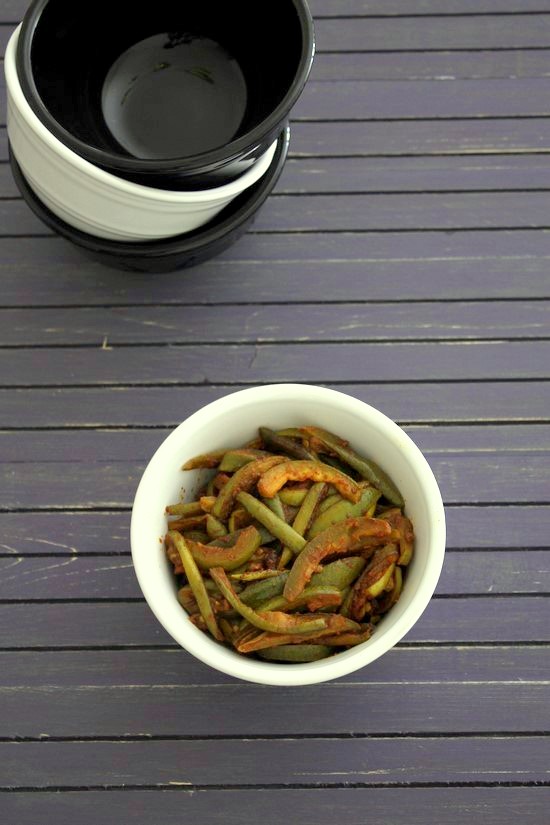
(180, 252)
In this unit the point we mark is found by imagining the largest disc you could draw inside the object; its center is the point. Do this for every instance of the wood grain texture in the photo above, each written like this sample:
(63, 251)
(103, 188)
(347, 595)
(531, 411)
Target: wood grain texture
(315, 762)
(432, 65)
(337, 8)
(13, 10)
(464, 478)
(510, 619)
(234, 709)
(361, 213)
(262, 362)
(301, 322)
(492, 572)
(421, 137)
(125, 445)
(398, 174)
(433, 32)
(262, 268)
(173, 666)
(376, 100)
(232, 807)
(102, 533)
(167, 406)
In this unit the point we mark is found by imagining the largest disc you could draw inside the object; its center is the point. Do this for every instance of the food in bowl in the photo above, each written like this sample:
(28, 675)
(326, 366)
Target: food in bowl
(294, 549)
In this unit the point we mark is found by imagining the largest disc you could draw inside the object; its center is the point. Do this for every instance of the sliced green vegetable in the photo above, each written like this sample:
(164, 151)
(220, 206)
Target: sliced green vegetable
(277, 476)
(308, 507)
(283, 444)
(296, 653)
(271, 522)
(228, 557)
(340, 573)
(196, 583)
(339, 540)
(366, 468)
(270, 621)
(234, 459)
(342, 510)
(243, 479)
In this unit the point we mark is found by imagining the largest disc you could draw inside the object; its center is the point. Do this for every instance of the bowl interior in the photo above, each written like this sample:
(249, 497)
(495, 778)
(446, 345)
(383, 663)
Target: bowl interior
(170, 80)
(230, 422)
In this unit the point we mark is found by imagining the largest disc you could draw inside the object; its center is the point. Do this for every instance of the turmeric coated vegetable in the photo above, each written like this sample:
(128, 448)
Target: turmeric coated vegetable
(280, 555)
(270, 621)
(276, 477)
(339, 540)
(244, 479)
(367, 469)
(214, 555)
(196, 583)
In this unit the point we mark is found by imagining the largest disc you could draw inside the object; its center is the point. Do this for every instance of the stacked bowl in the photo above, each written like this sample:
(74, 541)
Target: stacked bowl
(150, 135)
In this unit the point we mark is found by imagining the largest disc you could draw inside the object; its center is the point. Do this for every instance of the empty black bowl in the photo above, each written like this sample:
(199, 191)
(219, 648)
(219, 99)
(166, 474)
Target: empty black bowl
(173, 95)
(169, 254)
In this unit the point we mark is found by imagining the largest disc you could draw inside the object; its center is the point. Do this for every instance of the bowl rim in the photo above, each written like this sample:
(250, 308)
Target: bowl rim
(126, 188)
(188, 165)
(333, 667)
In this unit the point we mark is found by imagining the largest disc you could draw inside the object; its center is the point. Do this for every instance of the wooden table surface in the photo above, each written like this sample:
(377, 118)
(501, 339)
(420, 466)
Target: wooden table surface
(404, 258)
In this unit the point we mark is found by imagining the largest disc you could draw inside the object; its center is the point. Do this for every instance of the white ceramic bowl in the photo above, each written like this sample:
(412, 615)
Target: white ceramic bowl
(233, 420)
(98, 202)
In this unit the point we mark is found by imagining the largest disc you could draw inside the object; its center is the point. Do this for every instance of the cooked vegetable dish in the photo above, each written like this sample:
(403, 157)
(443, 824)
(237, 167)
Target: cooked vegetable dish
(295, 548)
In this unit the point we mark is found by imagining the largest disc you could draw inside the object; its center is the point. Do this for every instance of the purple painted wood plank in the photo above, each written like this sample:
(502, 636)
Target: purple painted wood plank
(46, 533)
(398, 174)
(13, 10)
(358, 213)
(419, 34)
(368, 138)
(395, 100)
(265, 362)
(414, 174)
(375, 100)
(126, 445)
(271, 268)
(238, 709)
(3, 145)
(336, 8)
(409, 806)
(425, 33)
(474, 572)
(376, 175)
(174, 666)
(356, 761)
(463, 478)
(8, 189)
(65, 533)
(300, 322)
(361, 213)
(167, 406)
(430, 65)
(69, 577)
(5, 34)
(481, 619)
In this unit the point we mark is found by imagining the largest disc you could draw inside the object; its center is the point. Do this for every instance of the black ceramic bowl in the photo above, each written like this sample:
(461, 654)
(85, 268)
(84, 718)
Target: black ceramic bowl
(180, 252)
(173, 95)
